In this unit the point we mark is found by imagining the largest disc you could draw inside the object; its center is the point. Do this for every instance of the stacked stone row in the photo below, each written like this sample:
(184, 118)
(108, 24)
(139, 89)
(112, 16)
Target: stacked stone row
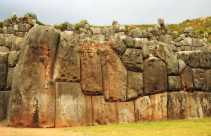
(9, 53)
(17, 26)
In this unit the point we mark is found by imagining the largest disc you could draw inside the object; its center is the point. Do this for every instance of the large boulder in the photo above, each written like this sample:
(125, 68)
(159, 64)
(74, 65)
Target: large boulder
(91, 69)
(199, 79)
(177, 105)
(196, 59)
(155, 76)
(126, 112)
(3, 70)
(187, 79)
(174, 83)
(32, 101)
(103, 112)
(67, 66)
(133, 59)
(153, 107)
(135, 85)
(114, 75)
(71, 109)
(4, 100)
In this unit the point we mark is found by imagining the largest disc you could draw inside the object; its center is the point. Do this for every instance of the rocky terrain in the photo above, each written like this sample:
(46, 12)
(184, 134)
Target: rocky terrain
(78, 74)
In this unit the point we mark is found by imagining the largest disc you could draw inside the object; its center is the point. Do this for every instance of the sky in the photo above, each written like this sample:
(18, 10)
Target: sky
(103, 12)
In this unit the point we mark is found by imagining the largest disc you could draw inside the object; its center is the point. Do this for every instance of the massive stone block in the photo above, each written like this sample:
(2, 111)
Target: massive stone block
(104, 112)
(174, 83)
(91, 69)
(187, 79)
(152, 107)
(32, 101)
(4, 100)
(126, 112)
(134, 85)
(133, 59)
(196, 59)
(177, 105)
(67, 66)
(199, 79)
(114, 75)
(71, 105)
(182, 105)
(155, 76)
(3, 70)
(208, 80)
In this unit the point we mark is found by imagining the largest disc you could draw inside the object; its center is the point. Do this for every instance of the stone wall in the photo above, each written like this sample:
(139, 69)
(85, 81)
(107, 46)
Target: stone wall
(101, 75)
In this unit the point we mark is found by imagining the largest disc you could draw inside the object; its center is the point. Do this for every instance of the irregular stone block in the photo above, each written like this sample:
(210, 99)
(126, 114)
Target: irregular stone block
(91, 71)
(9, 78)
(114, 75)
(135, 85)
(71, 105)
(13, 58)
(208, 80)
(67, 66)
(177, 105)
(32, 101)
(155, 76)
(196, 59)
(153, 107)
(126, 112)
(3, 70)
(4, 100)
(165, 53)
(133, 59)
(187, 79)
(174, 83)
(104, 112)
(199, 79)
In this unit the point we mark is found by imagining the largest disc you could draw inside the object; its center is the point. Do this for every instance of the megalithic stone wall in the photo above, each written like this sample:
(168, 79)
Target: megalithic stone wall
(96, 75)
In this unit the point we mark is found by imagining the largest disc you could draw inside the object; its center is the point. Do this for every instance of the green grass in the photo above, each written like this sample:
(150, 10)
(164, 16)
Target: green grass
(194, 127)
(199, 127)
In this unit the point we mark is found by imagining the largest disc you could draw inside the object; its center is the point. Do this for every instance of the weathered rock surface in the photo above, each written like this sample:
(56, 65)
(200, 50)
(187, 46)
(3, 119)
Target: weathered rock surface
(155, 76)
(196, 59)
(114, 76)
(133, 59)
(135, 85)
(126, 112)
(67, 66)
(104, 112)
(187, 79)
(91, 69)
(174, 83)
(3, 70)
(4, 100)
(71, 109)
(32, 101)
(152, 107)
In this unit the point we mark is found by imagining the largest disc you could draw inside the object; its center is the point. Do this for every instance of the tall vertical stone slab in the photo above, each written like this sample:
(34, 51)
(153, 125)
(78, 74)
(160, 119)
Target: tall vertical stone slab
(71, 105)
(3, 70)
(114, 75)
(187, 79)
(104, 112)
(32, 101)
(208, 80)
(67, 66)
(91, 70)
(153, 107)
(4, 100)
(135, 86)
(155, 76)
(199, 79)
